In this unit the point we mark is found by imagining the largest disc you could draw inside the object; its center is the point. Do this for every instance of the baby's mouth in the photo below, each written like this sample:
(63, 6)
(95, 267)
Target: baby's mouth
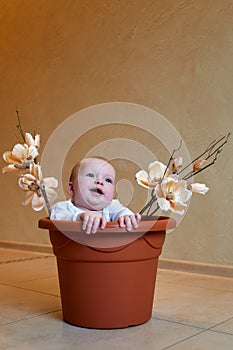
(97, 190)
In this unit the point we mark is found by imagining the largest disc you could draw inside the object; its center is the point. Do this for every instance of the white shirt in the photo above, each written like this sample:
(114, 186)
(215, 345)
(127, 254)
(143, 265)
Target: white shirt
(67, 211)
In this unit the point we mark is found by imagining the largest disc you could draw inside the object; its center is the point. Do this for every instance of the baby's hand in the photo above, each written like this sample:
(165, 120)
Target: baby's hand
(129, 221)
(92, 220)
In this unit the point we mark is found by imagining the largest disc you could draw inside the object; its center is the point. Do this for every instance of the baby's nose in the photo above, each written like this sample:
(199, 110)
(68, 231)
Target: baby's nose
(99, 181)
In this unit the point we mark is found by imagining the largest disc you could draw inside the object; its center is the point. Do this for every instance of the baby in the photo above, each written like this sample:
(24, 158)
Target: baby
(91, 188)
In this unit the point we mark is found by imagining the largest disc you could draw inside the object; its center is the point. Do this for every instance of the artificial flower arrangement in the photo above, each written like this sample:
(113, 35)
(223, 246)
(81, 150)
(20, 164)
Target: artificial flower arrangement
(39, 191)
(168, 190)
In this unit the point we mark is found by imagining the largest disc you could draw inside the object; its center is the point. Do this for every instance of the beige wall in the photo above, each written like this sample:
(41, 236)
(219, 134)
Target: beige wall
(58, 57)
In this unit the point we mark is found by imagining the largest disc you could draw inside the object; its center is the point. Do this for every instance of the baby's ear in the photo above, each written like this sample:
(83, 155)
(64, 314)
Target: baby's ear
(70, 189)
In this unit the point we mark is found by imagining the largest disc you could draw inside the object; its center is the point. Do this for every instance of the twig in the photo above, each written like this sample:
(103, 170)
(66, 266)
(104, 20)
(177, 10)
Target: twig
(19, 124)
(148, 205)
(46, 199)
(208, 149)
(156, 209)
(210, 154)
(152, 196)
(171, 157)
(199, 170)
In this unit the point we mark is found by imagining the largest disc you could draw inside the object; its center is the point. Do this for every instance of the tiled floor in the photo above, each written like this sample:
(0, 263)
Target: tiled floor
(190, 311)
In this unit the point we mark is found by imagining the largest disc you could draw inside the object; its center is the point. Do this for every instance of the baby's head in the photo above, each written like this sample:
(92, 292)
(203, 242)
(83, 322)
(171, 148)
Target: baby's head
(92, 184)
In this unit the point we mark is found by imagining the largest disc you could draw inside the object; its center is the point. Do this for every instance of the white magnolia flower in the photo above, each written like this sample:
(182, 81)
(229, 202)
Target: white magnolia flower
(199, 188)
(176, 164)
(30, 141)
(32, 184)
(20, 157)
(172, 195)
(154, 175)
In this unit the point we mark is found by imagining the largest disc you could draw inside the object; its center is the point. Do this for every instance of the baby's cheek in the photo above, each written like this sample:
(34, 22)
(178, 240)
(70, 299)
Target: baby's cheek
(83, 186)
(109, 194)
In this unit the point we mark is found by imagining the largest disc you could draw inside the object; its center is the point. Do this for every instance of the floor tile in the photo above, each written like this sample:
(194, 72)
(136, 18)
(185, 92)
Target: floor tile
(226, 327)
(16, 303)
(27, 270)
(196, 280)
(13, 255)
(206, 340)
(192, 305)
(48, 285)
(50, 332)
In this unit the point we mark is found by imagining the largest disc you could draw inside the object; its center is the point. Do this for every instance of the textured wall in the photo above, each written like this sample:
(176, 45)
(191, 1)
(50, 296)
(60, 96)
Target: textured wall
(57, 57)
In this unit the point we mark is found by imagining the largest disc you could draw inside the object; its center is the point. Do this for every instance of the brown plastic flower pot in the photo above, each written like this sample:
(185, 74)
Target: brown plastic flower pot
(107, 286)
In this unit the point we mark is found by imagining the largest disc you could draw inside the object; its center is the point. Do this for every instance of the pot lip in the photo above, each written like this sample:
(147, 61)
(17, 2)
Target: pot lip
(147, 224)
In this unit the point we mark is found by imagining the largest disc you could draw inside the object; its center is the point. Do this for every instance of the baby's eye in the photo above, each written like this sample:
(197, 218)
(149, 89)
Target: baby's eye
(109, 180)
(90, 175)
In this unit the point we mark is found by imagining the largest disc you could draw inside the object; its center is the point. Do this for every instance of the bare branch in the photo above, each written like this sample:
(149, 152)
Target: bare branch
(156, 209)
(200, 170)
(148, 205)
(46, 199)
(19, 124)
(213, 148)
(171, 157)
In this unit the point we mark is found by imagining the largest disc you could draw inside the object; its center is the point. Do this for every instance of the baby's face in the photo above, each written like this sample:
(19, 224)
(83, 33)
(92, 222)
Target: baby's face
(93, 186)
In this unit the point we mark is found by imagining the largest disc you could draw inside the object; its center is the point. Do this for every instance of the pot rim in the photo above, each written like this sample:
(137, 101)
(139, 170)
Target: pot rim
(147, 224)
